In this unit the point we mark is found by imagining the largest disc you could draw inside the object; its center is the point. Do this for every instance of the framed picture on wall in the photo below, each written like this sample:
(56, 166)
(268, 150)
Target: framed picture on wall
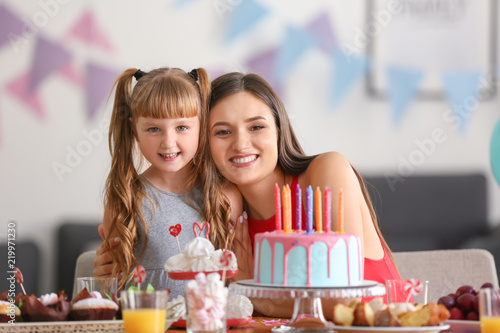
(431, 37)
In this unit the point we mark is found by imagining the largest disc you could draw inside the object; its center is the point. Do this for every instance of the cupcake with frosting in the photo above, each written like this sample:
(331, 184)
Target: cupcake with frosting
(49, 307)
(92, 306)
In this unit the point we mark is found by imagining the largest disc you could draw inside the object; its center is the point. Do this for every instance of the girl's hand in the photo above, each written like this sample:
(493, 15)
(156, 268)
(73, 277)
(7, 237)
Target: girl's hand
(243, 249)
(103, 263)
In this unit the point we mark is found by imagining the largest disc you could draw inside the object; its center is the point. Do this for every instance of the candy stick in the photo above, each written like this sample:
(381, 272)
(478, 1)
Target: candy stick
(175, 230)
(225, 260)
(413, 287)
(19, 278)
(139, 275)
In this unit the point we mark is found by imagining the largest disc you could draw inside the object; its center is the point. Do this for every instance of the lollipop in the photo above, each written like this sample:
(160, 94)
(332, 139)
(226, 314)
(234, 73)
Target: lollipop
(19, 278)
(225, 260)
(175, 230)
(139, 275)
(413, 287)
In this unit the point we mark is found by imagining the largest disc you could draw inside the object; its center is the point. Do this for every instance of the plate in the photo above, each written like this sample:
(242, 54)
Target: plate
(464, 326)
(231, 322)
(191, 275)
(361, 329)
(362, 284)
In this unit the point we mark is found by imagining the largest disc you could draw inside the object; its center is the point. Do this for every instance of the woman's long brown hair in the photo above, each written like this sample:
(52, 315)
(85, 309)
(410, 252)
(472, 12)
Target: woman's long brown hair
(291, 157)
(161, 93)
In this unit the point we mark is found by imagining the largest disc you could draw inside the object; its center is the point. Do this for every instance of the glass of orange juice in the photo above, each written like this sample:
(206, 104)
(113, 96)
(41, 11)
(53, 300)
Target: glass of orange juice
(489, 310)
(144, 311)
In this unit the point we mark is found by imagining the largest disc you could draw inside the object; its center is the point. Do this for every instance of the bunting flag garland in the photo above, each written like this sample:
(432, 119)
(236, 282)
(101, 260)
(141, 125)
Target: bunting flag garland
(98, 86)
(403, 85)
(263, 65)
(296, 43)
(347, 69)
(245, 14)
(72, 74)
(322, 28)
(49, 57)
(87, 31)
(461, 90)
(182, 3)
(495, 152)
(11, 27)
(19, 88)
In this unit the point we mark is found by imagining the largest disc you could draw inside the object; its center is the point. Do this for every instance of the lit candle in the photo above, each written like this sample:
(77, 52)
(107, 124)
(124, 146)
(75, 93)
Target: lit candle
(309, 209)
(287, 209)
(328, 210)
(341, 211)
(318, 211)
(298, 207)
(277, 204)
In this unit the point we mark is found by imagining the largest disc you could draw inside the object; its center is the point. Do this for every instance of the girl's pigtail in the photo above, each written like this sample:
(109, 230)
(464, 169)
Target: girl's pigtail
(122, 176)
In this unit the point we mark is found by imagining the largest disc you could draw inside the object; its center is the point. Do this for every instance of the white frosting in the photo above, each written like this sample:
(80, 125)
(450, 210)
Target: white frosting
(48, 299)
(89, 303)
(198, 247)
(96, 294)
(239, 306)
(199, 256)
(176, 308)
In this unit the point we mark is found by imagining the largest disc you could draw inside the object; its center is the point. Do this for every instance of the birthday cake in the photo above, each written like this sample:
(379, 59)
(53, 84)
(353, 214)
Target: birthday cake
(308, 259)
(311, 258)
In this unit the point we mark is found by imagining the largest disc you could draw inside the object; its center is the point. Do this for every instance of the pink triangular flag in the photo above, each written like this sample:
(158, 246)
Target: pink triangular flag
(19, 88)
(98, 86)
(263, 65)
(49, 57)
(322, 29)
(71, 73)
(87, 31)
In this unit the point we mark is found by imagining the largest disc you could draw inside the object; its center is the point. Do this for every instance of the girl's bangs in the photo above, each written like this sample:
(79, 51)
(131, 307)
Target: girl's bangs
(167, 99)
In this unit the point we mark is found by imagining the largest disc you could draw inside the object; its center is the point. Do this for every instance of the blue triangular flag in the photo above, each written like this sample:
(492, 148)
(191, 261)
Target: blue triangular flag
(297, 43)
(181, 3)
(347, 69)
(244, 16)
(495, 152)
(403, 85)
(461, 91)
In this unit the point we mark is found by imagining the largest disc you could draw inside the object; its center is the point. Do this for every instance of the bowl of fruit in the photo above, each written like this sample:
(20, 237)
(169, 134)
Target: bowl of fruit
(463, 305)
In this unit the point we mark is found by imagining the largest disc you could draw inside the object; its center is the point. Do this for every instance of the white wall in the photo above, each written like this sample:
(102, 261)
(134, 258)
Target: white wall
(149, 34)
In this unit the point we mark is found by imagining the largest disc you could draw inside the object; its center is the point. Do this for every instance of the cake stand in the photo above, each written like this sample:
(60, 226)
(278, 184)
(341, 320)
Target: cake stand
(307, 311)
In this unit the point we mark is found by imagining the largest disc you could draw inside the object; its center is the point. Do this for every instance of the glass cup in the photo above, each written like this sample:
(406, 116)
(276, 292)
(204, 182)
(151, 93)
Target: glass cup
(406, 291)
(144, 311)
(105, 286)
(489, 310)
(206, 301)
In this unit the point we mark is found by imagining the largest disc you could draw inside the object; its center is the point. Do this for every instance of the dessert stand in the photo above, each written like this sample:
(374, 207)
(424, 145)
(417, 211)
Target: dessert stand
(307, 311)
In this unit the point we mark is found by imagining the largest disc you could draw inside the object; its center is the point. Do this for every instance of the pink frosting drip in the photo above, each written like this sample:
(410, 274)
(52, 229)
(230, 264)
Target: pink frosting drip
(289, 241)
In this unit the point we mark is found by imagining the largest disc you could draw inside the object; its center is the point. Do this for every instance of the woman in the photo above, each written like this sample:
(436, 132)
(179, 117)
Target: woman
(253, 145)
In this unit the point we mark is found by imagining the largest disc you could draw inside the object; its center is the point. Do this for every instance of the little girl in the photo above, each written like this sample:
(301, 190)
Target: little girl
(160, 118)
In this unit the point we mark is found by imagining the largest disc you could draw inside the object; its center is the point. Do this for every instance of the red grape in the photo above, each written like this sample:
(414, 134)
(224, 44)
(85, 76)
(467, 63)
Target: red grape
(475, 303)
(456, 314)
(466, 289)
(464, 301)
(472, 316)
(447, 301)
(487, 285)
